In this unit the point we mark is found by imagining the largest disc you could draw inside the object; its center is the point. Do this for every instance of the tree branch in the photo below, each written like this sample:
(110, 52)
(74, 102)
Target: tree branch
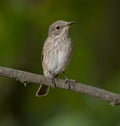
(27, 77)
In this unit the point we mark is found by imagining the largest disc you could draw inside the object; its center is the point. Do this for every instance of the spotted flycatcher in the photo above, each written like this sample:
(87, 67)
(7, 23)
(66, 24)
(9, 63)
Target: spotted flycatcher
(57, 52)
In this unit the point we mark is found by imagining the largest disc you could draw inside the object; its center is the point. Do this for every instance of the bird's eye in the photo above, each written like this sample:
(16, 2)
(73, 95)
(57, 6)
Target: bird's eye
(58, 27)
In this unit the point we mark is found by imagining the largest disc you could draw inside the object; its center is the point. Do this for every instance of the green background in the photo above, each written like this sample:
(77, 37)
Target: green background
(96, 61)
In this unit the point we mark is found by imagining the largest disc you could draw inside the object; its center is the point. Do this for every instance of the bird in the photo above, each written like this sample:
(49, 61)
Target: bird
(57, 52)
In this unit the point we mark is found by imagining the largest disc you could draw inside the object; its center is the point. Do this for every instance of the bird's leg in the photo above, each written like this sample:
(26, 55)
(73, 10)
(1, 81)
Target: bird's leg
(53, 81)
(66, 78)
(53, 78)
(68, 81)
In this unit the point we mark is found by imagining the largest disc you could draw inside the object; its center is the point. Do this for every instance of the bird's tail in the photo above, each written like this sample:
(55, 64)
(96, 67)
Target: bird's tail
(42, 90)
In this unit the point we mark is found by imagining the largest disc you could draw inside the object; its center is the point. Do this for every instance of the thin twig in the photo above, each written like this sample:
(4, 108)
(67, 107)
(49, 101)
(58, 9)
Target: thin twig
(27, 77)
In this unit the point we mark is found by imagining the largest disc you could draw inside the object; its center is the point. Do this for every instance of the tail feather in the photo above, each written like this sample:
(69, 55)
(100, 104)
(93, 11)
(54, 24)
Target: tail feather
(42, 90)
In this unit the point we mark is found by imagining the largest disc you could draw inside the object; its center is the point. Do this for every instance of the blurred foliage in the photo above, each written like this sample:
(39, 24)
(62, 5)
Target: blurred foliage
(23, 29)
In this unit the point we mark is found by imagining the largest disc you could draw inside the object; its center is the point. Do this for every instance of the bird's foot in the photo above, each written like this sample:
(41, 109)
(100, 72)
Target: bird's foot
(68, 83)
(53, 81)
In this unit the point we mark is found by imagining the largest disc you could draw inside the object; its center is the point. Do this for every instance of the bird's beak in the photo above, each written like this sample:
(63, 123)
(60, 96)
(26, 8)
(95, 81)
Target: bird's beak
(70, 23)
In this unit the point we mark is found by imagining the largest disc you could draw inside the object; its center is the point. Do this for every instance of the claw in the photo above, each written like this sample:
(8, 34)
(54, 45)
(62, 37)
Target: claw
(53, 81)
(68, 81)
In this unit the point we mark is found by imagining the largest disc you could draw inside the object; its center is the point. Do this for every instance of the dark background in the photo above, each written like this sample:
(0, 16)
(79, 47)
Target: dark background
(96, 61)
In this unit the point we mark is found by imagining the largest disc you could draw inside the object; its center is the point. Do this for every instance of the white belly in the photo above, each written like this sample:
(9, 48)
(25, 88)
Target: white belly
(59, 58)
(56, 56)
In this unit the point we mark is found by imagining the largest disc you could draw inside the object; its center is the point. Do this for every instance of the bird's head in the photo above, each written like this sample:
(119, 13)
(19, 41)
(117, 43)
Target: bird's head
(59, 27)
